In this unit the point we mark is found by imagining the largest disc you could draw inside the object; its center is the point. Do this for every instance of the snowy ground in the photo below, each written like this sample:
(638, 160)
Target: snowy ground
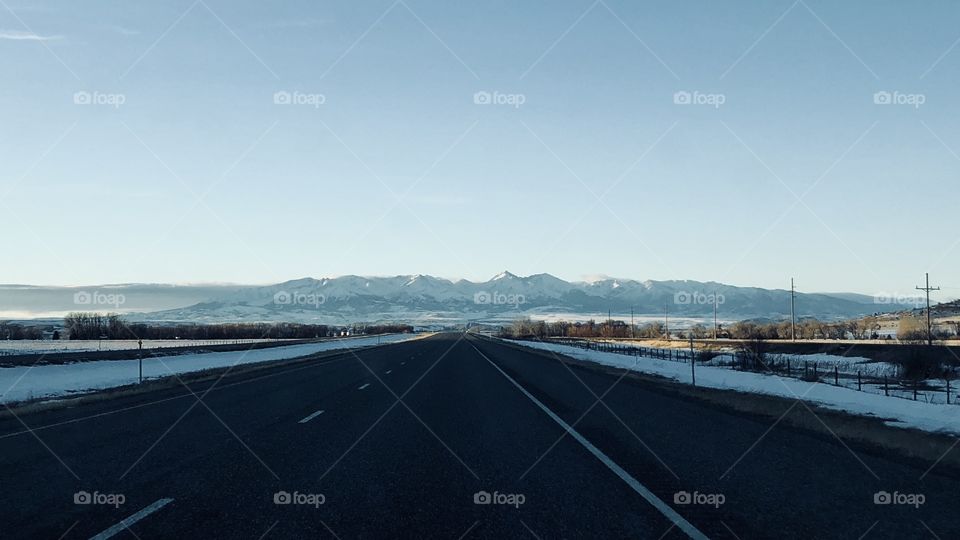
(846, 365)
(86, 345)
(898, 412)
(25, 383)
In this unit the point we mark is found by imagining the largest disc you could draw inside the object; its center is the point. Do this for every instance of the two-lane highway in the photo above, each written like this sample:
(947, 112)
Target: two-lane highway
(453, 436)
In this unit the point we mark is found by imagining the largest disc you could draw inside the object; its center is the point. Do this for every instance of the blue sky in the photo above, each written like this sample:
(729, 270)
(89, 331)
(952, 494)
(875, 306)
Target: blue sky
(144, 142)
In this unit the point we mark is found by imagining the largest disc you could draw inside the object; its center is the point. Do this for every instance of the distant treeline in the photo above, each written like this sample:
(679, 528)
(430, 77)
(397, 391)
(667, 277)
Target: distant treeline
(910, 329)
(9, 330)
(113, 326)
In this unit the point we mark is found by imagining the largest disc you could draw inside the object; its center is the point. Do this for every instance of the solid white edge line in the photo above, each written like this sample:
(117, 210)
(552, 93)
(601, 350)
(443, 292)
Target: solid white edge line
(311, 417)
(657, 503)
(127, 522)
(364, 386)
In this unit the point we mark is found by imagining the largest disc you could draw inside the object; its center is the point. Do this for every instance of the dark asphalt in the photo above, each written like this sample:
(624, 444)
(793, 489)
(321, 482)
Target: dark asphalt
(410, 432)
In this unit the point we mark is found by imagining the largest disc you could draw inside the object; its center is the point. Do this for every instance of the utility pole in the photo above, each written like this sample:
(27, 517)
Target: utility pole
(793, 312)
(715, 315)
(927, 289)
(632, 333)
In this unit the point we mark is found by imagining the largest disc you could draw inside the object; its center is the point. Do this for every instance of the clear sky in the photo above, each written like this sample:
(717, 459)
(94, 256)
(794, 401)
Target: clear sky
(147, 142)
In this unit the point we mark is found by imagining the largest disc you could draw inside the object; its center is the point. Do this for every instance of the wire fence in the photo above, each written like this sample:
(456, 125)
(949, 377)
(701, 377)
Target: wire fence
(872, 377)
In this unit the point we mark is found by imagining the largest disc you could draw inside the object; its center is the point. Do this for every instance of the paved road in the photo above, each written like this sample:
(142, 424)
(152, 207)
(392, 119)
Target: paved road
(410, 433)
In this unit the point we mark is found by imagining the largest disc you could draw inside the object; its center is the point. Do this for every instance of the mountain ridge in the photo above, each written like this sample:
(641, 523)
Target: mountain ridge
(354, 297)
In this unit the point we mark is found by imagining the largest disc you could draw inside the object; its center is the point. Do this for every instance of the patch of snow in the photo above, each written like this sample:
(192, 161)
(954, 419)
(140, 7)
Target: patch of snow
(29, 382)
(931, 417)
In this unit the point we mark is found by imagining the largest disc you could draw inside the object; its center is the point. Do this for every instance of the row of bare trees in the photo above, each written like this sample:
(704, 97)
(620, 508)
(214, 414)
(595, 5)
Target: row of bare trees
(87, 325)
(17, 331)
(910, 329)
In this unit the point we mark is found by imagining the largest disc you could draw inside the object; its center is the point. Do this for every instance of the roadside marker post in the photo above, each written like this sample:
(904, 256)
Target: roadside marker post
(140, 358)
(693, 363)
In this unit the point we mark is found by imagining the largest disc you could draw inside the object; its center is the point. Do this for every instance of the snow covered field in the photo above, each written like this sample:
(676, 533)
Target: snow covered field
(898, 412)
(24, 383)
(86, 345)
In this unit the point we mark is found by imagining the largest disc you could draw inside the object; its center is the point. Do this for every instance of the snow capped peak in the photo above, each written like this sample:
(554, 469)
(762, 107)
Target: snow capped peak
(503, 275)
(592, 279)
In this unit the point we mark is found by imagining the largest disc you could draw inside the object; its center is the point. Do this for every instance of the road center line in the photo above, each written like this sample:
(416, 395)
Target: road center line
(127, 522)
(657, 503)
(389, 371)
(364, 386)
(311, 417)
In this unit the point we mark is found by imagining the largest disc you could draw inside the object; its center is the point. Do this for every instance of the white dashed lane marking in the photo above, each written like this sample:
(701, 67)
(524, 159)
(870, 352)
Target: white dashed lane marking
(311, 417)
(127, 522)
(364, 386)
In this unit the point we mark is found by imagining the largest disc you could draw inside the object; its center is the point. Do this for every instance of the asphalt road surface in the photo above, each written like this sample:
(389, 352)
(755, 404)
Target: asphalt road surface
(452, 436)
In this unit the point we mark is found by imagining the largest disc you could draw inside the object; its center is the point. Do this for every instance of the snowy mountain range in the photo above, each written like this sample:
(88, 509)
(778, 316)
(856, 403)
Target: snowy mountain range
(422, 297)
